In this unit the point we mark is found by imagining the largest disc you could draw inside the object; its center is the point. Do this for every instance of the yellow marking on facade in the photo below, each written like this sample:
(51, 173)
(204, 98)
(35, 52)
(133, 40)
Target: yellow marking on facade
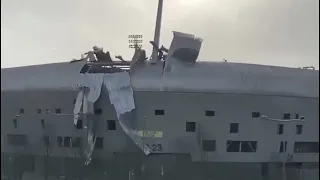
(153, 134)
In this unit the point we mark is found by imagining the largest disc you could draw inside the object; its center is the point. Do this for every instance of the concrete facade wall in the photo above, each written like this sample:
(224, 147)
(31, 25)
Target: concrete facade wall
(179, 108)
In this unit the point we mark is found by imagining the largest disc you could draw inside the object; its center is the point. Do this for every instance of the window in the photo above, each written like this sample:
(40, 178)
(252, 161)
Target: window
(21, 111)
(99, 143)
(47, 111)
(256, 114)
(74, 101)
(84, 68)
(15, 123)
(42, 123)
(249, 146)
(79, 124)
(299, 129)
(39, 111)
(111, 124)
(58, 111)
(283, 146)
(233, 146)
(209, 145)
(306, 147)
(67, 142)
(159, 112)
(210, 113)
(234, 127)
(60, 141)
(46, 141)
(242, 146)
(280, 128)
(76, 142)
(297, 116)
(97, 111)
(190, 127)
(17, 139)
(286, 116)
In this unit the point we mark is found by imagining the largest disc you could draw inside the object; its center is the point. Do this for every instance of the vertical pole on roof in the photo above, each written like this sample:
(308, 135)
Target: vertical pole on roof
(154, 56)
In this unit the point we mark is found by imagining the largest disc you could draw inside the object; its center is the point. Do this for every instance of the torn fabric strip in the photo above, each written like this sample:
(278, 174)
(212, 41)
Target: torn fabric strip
(91, 89)
(121, 97)
(77, 107)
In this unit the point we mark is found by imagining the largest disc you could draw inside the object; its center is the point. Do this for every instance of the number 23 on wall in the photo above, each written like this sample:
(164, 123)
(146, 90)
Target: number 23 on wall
(154, 147)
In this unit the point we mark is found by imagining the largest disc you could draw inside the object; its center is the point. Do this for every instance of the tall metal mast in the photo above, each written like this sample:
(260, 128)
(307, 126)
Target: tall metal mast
(154, 56)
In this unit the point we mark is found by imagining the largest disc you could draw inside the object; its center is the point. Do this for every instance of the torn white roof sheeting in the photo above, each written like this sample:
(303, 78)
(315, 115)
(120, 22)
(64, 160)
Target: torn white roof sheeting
(202, 77)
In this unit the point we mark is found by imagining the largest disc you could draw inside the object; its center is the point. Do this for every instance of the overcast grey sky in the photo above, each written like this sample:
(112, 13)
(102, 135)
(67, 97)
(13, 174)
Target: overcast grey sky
(274, 32)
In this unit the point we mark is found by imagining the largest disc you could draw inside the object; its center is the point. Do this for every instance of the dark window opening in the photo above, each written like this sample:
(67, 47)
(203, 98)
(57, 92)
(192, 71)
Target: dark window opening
(299, 129)
(283, 146)
(60, 141)
(15, 123)
(76, 142)
(79, 124)
(190, 127)
(85, 68)
(39, 111)
(209, 145)
(58, 111)
(286, 116)
(98, 111)
(210, 113)
(159, 112)
(46, 141)
(256, 114)
(67, 142)
(111, 124)
(297, 116)
(234, 127)
(42, 123)
(233, 146)
(249, 146)
(74, 101)
(17, 139)
(21, 111)
(47, 111)
(306, 147)
(99, 143)
(280, 128)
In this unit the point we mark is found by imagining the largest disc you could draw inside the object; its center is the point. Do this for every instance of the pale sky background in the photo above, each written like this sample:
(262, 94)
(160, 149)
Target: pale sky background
(272, 32)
